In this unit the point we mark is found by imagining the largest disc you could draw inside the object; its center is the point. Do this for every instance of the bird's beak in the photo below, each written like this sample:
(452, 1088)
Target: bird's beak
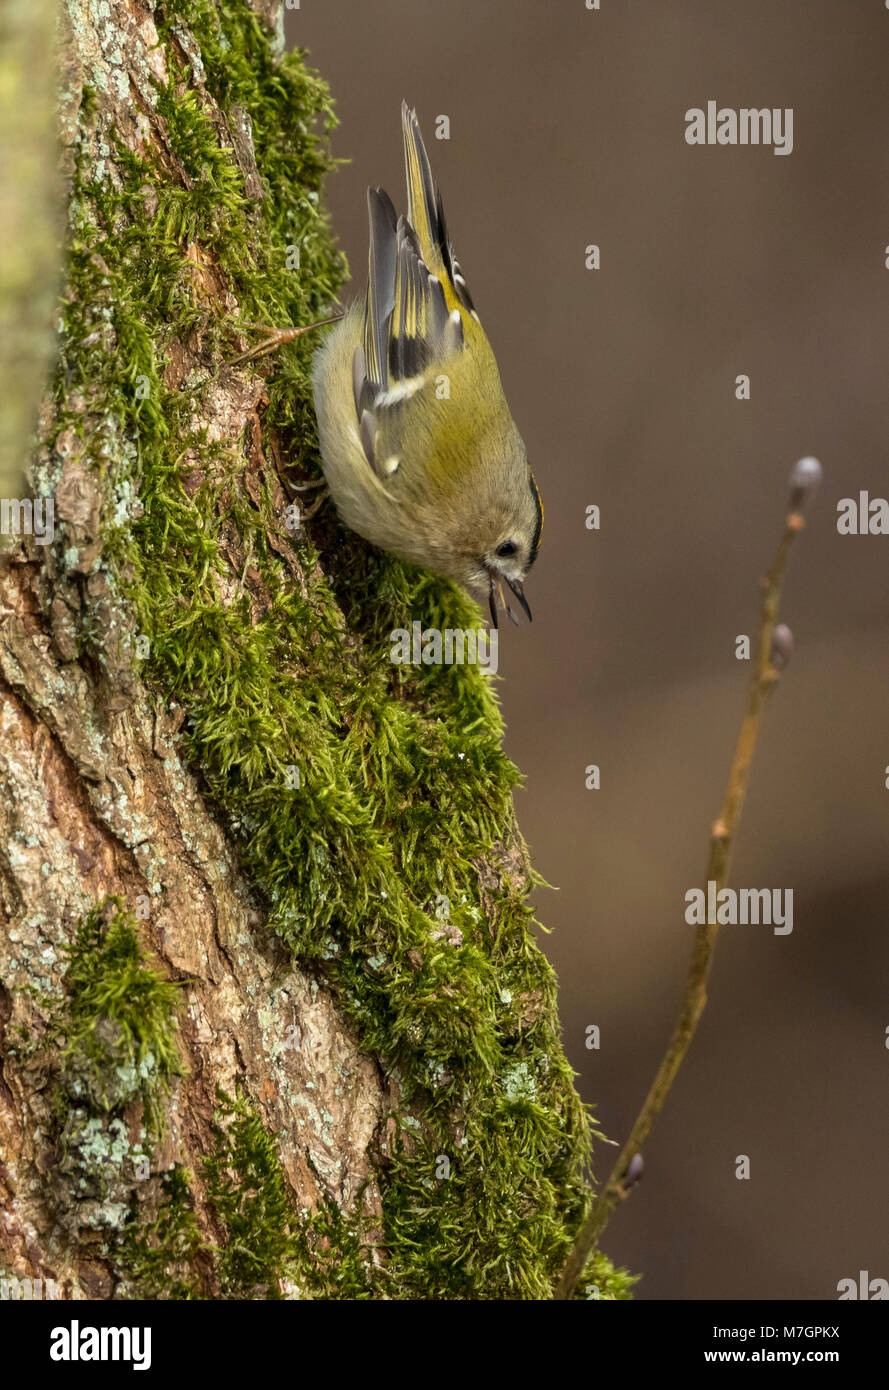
(518, 590)
(516, 587)
(491, 599)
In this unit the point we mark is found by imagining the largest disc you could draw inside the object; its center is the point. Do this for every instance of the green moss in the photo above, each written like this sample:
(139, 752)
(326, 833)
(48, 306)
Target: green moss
(113, 1033)
(118, 1019)
(404, 786)
(249, 1196)
(266, 1249)
(159, 1257)
(602, 1282)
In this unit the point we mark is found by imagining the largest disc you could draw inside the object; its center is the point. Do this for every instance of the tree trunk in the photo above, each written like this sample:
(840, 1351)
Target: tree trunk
(272, 1019)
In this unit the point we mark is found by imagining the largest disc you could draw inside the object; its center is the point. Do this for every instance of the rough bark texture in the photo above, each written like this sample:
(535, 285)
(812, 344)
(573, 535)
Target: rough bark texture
(272, 1021)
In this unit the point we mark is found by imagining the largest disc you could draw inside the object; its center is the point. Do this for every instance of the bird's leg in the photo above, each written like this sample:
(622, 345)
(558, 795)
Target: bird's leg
(310, 486)
(277, 337)
(313, 485)
(306, 513)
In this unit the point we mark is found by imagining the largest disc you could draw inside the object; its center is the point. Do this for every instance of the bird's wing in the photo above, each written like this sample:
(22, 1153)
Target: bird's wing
(420, 333)
(380, 283)
(408, 333)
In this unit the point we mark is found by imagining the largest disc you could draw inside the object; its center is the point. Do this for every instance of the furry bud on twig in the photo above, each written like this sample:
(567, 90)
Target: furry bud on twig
(805, 475)
(635, 1169)
(782, 646)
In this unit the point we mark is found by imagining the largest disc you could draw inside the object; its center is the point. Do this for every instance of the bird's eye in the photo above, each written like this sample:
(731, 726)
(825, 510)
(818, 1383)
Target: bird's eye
(507, 548)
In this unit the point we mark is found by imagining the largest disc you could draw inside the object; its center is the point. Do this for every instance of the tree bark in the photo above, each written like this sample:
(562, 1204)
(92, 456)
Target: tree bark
(272, 1020)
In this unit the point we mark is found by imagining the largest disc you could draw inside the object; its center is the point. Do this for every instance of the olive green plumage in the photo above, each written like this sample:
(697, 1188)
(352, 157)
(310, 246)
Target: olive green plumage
(419, 450)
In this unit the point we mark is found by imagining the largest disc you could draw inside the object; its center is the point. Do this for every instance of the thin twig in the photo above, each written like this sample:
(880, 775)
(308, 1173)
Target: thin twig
(277, 337)
(804, 477)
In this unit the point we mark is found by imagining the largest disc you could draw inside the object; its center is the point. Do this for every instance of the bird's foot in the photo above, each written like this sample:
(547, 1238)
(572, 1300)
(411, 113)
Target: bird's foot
(298, 490)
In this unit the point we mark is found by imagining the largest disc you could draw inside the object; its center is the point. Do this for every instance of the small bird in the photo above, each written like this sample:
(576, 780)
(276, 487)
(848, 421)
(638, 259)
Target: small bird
(420, 453)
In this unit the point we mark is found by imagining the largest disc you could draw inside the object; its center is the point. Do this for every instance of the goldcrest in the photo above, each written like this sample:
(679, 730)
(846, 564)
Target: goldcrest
(420, 453)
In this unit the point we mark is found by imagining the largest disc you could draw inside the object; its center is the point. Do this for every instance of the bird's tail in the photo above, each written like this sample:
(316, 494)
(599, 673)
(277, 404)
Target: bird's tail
(424, 209)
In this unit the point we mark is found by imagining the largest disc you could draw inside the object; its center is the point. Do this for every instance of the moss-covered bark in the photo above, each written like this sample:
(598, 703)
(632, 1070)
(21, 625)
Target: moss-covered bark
(201, 718)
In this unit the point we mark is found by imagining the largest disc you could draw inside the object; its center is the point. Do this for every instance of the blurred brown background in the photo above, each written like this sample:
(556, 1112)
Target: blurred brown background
(567, 128)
